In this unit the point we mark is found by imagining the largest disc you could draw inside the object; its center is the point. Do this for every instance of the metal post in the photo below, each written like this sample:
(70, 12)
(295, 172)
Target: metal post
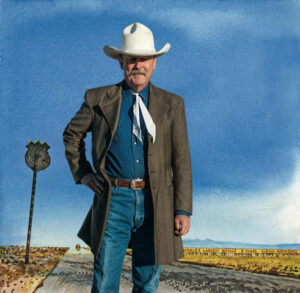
(36, 158)
(31, 212)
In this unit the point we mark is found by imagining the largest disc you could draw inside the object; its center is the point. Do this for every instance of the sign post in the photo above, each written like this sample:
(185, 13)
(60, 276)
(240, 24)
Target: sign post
(36, 158)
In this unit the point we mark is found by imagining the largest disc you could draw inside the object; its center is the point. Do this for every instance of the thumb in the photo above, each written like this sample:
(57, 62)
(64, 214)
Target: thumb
(177, 224)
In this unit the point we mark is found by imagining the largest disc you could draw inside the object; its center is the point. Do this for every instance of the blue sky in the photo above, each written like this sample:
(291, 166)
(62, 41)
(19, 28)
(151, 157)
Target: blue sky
(236, 64)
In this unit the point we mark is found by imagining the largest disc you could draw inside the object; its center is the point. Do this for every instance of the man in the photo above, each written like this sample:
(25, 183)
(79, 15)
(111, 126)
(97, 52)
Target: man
(142, 180)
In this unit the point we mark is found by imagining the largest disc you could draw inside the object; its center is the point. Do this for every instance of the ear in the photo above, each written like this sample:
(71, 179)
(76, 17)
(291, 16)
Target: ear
(121, 62)
(154, 62)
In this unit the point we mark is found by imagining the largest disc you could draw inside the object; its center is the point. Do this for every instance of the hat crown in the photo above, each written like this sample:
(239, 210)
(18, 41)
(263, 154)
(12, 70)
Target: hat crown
(137, 37)
(137, 40)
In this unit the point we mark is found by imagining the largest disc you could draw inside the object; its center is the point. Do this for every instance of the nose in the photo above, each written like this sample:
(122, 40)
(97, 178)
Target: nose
(138, 64)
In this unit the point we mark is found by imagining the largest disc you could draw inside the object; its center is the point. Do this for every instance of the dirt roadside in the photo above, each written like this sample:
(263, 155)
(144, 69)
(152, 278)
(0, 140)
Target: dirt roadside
(74, 274)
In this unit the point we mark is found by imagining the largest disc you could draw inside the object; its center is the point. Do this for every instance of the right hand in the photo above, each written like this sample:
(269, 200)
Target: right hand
(94, 181)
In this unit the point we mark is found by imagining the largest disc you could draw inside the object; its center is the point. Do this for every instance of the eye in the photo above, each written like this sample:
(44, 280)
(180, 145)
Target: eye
(131, 60)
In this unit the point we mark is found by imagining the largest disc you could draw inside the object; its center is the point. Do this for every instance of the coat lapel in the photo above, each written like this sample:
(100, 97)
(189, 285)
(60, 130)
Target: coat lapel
(111, 106)
(156, 107)
(156, 104)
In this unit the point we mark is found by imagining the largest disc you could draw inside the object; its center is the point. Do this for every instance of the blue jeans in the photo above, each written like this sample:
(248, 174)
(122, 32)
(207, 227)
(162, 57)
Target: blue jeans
(130, 217)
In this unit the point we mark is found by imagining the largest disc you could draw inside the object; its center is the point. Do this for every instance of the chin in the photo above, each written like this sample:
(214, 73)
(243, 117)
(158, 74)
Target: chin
(139, 80)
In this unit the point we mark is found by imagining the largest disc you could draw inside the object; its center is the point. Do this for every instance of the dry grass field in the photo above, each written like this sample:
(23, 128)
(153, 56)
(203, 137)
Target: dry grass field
(267, 261)
(17, 277)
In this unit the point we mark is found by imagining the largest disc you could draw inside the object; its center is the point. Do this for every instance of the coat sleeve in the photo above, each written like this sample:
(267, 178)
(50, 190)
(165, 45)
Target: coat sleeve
(73, 138)
(181, 162)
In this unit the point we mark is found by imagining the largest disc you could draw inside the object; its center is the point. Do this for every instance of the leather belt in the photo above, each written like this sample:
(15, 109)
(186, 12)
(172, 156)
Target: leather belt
(135, 184)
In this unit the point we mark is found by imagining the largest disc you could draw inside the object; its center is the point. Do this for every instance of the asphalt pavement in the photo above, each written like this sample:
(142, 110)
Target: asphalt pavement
(74, 274)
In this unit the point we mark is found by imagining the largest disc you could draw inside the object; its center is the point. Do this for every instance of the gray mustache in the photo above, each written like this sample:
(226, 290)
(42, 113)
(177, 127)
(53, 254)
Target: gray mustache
(138, 71)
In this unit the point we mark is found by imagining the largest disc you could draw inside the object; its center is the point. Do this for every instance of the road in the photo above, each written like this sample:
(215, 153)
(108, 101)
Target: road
(74, 274)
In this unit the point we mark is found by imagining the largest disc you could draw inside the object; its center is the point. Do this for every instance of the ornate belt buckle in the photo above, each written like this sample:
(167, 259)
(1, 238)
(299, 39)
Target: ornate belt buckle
(133, 184)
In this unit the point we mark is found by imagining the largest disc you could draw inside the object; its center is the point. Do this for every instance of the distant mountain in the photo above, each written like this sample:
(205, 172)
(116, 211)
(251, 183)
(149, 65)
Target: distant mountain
(208, 243)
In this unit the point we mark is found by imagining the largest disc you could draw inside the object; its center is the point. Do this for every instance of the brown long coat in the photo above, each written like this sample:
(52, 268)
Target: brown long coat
(169, 163)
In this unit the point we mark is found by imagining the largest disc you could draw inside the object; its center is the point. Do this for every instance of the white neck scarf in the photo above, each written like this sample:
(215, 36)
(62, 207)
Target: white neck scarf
(136, 127)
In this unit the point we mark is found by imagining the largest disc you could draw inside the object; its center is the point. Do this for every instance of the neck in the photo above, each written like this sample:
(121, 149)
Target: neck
(137, 89)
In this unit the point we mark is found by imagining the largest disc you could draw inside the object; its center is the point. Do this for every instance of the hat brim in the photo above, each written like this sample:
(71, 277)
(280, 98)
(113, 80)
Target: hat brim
(114, 52)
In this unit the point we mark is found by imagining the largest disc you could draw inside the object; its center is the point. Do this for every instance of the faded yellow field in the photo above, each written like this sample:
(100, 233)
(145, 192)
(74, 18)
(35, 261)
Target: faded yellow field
(16, 276)
(266, 261)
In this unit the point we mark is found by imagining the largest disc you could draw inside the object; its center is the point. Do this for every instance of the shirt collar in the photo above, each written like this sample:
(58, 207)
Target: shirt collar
(144, 93)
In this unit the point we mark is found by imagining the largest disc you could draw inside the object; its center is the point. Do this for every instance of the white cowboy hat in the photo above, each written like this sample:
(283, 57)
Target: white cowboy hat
(137, 40)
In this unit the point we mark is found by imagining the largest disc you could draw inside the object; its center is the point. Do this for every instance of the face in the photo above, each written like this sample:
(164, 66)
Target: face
(137, 70)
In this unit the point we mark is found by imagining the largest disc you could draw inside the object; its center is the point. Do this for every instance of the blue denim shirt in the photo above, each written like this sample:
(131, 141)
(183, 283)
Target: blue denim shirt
(127, 156)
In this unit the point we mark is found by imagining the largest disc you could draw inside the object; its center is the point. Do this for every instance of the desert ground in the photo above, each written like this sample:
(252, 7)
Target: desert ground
(64, 270)
(16, 276)
(75, 272)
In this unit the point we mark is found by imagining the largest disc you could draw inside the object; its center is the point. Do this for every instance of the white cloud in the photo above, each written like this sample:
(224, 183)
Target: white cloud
(205, 25)
(51, 237)
(205, 21)
(289, 216)
(18, 13)
(265, 218)
(212, 24)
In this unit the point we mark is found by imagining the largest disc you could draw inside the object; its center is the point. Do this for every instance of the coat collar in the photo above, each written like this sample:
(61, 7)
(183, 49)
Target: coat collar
(111, 105)
(156, 103)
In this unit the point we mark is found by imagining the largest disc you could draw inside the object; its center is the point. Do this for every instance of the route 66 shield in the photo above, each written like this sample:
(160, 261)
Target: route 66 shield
(37, 155)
